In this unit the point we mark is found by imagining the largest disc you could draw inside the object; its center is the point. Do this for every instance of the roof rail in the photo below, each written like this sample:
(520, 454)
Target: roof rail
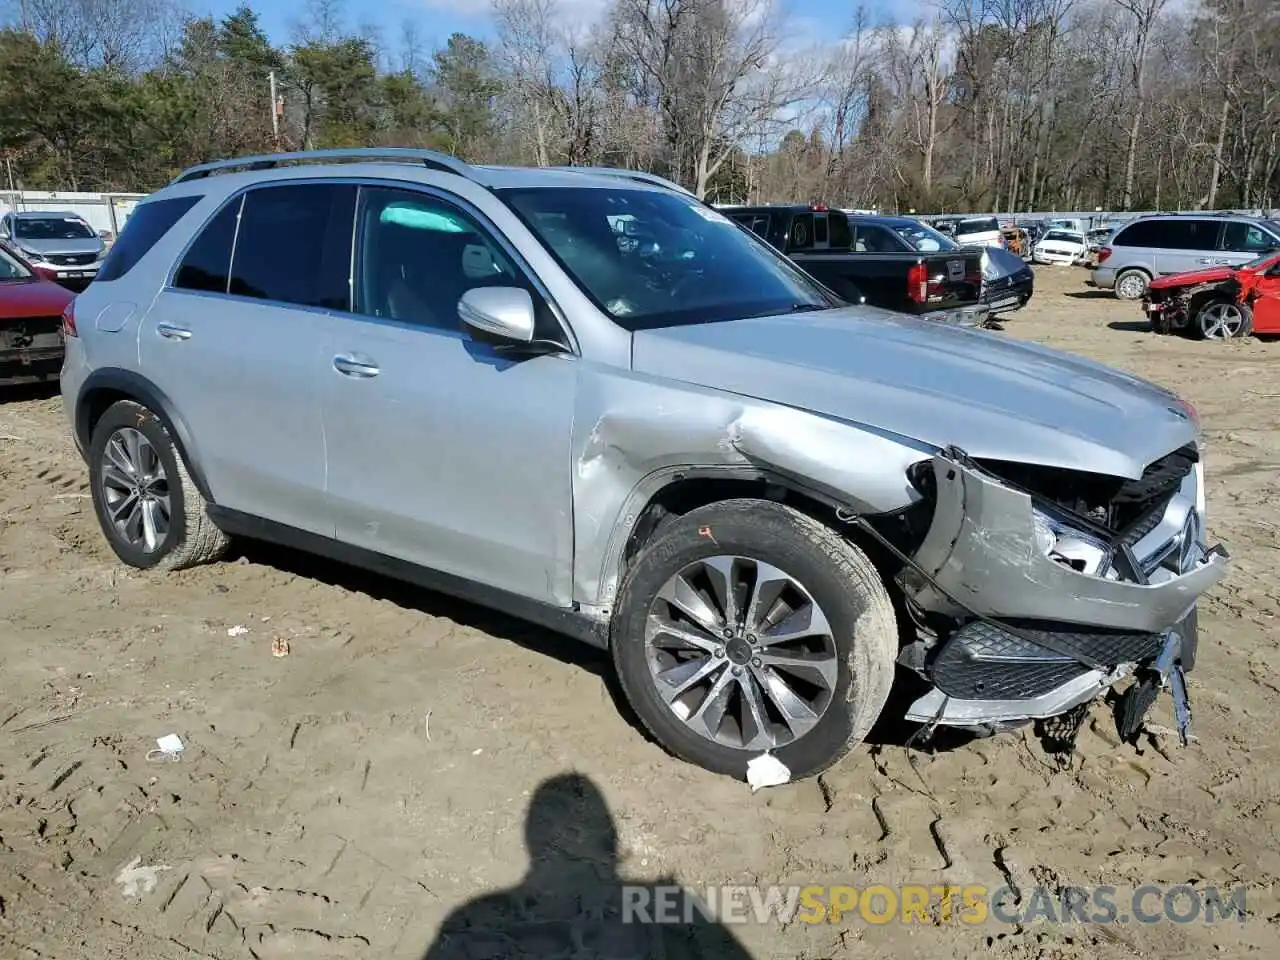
(430, 158)
(638, 175)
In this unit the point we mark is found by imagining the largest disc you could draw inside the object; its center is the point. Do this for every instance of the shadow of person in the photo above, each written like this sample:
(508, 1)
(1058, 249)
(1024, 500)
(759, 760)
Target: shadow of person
(572, 904)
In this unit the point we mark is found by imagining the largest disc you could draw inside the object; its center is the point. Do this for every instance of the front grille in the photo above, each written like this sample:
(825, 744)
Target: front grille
(30, 332)
(71, 259)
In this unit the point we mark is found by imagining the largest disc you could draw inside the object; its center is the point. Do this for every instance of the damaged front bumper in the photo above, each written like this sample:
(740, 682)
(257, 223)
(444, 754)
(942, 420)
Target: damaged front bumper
(1036, 636)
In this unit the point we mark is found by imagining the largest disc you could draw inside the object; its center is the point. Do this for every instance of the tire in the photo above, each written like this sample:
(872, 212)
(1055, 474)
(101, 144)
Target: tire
(1236, 319)
(1131, 284)
(859, 649)
(189, 537)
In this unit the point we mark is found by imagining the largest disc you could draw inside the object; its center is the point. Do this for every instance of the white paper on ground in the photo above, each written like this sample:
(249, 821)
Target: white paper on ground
(766, 770)
(170, 743)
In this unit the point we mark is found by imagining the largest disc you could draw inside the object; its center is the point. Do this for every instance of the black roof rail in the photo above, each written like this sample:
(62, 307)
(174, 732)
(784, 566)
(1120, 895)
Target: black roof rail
(432, 159)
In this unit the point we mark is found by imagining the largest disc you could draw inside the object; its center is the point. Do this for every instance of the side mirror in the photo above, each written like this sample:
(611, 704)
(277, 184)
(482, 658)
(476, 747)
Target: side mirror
(503, 312)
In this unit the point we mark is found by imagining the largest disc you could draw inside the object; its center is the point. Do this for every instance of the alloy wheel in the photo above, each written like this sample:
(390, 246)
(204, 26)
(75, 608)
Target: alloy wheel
(741, 653)
(1221, 321)
(1131, 286)
(135, 490)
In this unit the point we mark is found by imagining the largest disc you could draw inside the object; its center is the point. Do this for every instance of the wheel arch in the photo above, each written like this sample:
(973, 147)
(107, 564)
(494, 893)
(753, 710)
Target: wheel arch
(109, 385)
(674, 491)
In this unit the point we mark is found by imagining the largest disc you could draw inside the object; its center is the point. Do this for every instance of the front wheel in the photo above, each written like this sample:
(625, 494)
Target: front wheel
(1222, 319)
(747, 627)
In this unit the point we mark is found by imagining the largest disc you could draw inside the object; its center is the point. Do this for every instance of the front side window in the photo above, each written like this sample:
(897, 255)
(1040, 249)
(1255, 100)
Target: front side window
(1239, 237)
(294, 245)
(419, 255)
(11, 268)
(52, 228)
(687, 264)
(924, 239)
(873, 238)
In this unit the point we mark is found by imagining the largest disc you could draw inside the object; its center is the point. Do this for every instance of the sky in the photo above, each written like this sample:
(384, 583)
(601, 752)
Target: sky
(813, 21)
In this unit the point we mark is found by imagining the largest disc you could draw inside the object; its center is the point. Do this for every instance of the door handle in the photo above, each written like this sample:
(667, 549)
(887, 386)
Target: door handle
(170, 332)
(1204, 260)
(353, 367)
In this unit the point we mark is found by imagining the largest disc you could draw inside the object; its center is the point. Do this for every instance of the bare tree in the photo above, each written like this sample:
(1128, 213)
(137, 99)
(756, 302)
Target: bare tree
(715, 71)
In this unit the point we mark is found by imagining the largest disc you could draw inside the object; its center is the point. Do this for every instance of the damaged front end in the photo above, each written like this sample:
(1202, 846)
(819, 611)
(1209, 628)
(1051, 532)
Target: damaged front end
(1036, 589)
(1171, 308)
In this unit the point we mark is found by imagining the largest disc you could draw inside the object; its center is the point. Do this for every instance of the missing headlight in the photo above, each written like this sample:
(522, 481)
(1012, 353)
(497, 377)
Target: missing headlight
(1071, 547)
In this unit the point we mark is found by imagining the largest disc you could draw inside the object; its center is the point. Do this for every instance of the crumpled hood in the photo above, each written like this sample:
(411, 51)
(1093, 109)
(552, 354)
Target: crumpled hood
(934, 383)
(1212, 275)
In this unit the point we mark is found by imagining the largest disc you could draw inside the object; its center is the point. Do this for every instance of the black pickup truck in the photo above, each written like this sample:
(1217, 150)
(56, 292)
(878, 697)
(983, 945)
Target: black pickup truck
(942, 286)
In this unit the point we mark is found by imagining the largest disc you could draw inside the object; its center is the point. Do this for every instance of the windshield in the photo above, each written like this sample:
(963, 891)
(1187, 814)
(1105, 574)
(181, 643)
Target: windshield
(656, 259)
(980, 225)
(52, 228)
(924, 239)
(11, 268)
(1064, 236)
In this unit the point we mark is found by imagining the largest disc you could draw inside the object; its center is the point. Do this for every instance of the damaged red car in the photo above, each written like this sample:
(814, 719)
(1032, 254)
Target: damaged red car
(1219, 303)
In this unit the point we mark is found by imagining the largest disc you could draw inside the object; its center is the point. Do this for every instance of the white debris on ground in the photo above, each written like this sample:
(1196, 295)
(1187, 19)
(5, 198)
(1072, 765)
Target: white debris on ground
(137, 880)
(766, 770)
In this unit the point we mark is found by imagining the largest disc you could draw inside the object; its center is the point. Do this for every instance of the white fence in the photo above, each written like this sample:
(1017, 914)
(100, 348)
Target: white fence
(105, 212)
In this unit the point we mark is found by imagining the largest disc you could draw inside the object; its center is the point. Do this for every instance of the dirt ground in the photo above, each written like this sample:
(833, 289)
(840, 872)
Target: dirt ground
(343, 800)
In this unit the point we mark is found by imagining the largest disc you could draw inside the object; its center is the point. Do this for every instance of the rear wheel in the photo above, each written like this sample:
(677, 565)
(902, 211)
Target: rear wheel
(1222, 319)
(748, 627)
(1132, 285)
(149, 509)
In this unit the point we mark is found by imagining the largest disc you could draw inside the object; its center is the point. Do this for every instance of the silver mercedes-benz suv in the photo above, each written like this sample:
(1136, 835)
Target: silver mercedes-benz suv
(586, 398)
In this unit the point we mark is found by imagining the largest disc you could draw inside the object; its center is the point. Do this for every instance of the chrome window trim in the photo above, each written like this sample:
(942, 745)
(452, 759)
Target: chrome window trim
(436, 193)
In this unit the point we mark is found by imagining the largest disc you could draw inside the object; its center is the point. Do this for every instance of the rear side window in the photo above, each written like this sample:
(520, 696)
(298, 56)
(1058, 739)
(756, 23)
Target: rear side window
(758, 224)
(294, 245)
(1186, 234)
(980, 225)
(841, 238)
(207, 264)
(1140, 234)
(146, 225)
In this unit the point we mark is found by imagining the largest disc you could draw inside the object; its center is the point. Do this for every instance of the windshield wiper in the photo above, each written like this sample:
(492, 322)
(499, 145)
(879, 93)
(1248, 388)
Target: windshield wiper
(806, 307)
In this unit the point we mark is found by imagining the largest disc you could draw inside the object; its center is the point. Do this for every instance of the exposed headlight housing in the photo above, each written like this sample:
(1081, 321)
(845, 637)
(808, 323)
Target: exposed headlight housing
(1064, 544)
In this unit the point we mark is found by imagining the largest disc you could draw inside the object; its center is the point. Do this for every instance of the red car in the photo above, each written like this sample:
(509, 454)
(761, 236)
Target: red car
(1219, 303)
(30, 321)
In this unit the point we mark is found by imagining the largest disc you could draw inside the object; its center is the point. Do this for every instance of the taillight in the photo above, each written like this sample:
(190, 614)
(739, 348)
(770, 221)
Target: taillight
(918, 283)
(1103, 254)
(69, 319)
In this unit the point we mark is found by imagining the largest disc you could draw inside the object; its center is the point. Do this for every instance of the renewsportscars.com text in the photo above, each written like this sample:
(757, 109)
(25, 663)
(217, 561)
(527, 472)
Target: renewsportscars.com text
(918, 903)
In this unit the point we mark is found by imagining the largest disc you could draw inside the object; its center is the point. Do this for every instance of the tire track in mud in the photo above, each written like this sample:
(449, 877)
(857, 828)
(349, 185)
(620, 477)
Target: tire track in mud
(86, 819)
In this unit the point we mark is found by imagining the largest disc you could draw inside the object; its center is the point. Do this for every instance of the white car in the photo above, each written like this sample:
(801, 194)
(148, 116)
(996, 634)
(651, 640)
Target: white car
(979, 232)
(1062, 247)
